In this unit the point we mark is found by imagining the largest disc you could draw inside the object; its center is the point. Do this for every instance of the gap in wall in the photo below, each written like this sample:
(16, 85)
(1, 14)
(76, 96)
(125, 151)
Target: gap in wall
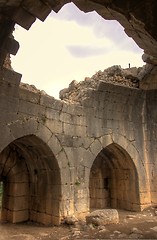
(71, 45)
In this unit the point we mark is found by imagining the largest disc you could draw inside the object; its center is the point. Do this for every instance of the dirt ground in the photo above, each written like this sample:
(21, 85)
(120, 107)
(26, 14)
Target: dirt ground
(131, 226)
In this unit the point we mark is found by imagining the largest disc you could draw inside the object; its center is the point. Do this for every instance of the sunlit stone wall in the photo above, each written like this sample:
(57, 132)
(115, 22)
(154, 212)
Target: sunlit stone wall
(59, 144)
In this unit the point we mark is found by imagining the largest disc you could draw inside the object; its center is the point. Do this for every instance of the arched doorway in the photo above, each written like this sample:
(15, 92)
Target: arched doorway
(113, 180)
(31, 182)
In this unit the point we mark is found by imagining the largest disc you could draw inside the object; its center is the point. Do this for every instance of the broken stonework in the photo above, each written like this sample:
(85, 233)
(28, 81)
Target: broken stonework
(7, 62)
(70, 220)
(32, 88)
(63, 159)
(103, 217)
(76, 92)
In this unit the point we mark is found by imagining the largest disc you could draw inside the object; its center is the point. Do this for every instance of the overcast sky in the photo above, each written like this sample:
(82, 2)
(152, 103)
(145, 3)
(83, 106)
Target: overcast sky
(71, 45)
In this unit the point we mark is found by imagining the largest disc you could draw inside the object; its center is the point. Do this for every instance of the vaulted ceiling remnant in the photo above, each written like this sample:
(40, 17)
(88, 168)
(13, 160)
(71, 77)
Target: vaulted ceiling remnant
(137, 17)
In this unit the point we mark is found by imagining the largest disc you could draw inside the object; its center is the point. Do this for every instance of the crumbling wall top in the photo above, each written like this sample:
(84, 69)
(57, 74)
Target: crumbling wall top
(78, 91)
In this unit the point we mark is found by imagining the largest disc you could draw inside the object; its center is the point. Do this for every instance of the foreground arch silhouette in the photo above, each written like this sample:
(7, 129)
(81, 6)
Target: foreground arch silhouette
(30, 175)
(114, 180)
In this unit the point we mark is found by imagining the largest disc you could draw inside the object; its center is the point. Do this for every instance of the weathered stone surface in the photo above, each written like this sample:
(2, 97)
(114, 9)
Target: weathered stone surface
(77, 92)
(128, 14)
(149, 59)
(70, 220)
(103, 217)
(96, 153)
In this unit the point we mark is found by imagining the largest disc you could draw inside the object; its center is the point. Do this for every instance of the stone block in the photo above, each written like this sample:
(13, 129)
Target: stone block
(67, 207)
(154, 197)
(8, 103)
(19, 177)
(87, 159)
(44, 218)
(67, 191)
(54, 191)
(9, 89)
(73, 154)
(145, 198)
(29, 96)
(23, 18)
(56, 220)
(79, 120)
(96, 147)
(103, 217)
(51, 102)
(106, 140)
(55, 145)
(62, 159)
(66, 118)
(33, 216)
(31, 109)
(90, 102)
(4, 213)
(56, 176)
(10, 76)
(73, 109)
(55, 207)
(43, 132)
(18, 203)
(8, 117)
(49, 205)
(9, 216)
(100, 113)
(137, 207)
(52, 114)
(81, 205)
(7, 136)
(19, 216)
(21, 169)
(39, 9)
(54, 126)
(70, 220)
(86, 142)
(74, 130)
(75, 141)
(94, 127)
(17, 189)
(27, 127)
(66, 140)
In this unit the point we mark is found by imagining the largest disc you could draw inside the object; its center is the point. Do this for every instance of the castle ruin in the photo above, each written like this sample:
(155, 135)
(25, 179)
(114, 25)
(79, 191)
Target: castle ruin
(93, 149)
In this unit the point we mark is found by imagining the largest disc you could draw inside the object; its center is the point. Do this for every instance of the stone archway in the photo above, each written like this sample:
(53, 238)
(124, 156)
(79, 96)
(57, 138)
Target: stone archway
(113, 180)
(32, 183)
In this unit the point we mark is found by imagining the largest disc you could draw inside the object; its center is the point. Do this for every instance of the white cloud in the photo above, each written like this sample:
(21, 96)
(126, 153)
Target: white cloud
(86, 51)
(55, 52)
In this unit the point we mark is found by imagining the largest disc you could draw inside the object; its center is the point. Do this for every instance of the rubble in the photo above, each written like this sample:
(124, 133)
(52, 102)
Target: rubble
(32, 88)
(115, 75)
(70, 220)
(7, 62)
(103, 217)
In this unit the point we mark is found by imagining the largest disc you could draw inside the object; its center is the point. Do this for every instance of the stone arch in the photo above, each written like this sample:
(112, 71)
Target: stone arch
(32, 182)
(114, 180)
(31, 126)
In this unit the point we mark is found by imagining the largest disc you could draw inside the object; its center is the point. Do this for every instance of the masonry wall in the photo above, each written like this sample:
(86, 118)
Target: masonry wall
(151, 148)
(75, 134)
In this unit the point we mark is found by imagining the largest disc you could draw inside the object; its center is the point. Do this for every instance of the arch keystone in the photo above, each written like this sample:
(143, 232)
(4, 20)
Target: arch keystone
(106, 140)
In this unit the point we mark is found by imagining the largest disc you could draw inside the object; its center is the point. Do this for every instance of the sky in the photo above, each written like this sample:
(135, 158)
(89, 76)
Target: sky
(71, 45)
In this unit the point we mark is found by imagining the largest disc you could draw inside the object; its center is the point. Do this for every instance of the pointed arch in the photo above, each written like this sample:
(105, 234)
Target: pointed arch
(32, 182)
(114, 180)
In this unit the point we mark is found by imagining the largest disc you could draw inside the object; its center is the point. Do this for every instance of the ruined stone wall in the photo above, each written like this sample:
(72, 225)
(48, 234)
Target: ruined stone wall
(59, 142)
(151, 148)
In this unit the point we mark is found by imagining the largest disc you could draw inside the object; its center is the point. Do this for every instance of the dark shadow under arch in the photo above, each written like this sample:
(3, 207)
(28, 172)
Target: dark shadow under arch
(114, 180)
(32, 182)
